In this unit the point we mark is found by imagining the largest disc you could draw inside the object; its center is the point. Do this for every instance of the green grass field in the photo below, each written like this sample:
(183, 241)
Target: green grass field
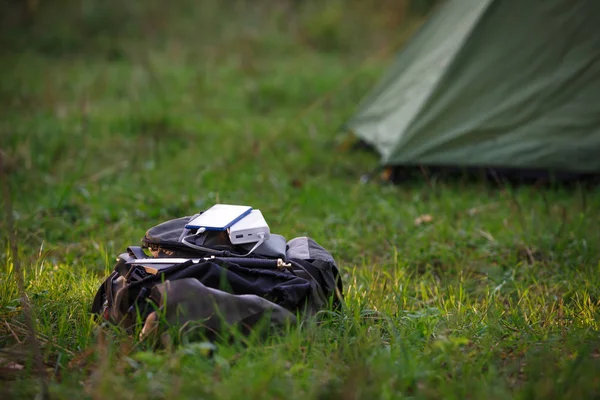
(113, 120)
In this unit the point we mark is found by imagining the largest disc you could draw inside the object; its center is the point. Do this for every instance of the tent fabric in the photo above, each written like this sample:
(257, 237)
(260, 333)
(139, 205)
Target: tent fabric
(503, 83)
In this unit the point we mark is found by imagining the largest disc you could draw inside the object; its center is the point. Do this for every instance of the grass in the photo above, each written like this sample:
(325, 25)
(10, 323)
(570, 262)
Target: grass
(108, 132)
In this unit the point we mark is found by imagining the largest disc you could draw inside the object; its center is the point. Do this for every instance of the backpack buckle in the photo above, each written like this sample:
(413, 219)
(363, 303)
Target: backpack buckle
(282, 265)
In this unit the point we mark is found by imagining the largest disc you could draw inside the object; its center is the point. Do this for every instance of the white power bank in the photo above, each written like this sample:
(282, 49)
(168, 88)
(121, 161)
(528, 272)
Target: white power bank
(249, 229)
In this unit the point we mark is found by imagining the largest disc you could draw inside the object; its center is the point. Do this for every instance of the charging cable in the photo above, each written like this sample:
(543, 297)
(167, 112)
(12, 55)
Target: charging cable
(195, 246)
(261, 240)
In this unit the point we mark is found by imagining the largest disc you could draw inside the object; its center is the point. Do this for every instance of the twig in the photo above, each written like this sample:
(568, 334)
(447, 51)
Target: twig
(425, 173)
(486, 235)
(57, 366)
(486, 207)
(13, 332)
(108, 171)
(530, 255)
(43, 339)
(27, 311)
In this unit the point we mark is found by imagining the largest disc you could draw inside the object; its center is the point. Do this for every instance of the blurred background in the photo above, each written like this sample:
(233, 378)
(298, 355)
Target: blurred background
(186, 53)
(117, 115)
(108, 28)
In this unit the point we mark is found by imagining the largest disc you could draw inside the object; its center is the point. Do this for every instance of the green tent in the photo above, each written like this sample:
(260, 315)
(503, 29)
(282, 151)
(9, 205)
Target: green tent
(492, 83)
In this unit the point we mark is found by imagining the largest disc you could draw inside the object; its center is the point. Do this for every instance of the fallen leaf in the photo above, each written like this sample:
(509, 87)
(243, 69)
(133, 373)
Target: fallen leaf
(423, 219)
(82, 359)
(476, 210)
(10, 365)
(386, 174)
(486, 235)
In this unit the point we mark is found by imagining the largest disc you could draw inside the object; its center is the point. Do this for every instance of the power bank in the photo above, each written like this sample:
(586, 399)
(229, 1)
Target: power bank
(250, 229)
(219, 217)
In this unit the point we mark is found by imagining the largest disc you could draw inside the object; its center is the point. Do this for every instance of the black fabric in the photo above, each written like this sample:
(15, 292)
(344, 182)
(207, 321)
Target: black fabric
(168, 232)
(284, 289)
(200, 312)
(332, 283)
(101, 294)
(294, 290)
(491, 174)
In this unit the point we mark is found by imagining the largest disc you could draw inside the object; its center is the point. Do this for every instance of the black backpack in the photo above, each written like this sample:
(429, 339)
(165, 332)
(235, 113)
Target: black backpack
(204, 283)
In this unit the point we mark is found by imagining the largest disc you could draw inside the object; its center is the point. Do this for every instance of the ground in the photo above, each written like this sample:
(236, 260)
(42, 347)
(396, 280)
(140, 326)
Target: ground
(113, 120)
